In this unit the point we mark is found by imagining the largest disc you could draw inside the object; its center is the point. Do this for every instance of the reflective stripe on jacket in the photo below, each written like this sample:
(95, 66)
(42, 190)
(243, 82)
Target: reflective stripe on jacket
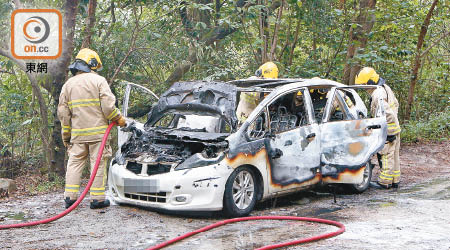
(390, 105)
(86, 105)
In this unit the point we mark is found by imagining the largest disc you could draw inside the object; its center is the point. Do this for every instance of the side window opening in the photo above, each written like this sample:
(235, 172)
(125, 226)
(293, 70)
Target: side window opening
(139, 103)
(339, 110)
(346, 105)
(319, 97)
(247, 102)
(299, 109)
(358, 102)
(258, 128)
(288, 112)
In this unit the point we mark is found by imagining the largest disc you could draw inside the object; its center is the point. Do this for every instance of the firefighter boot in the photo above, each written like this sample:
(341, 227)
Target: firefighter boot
(99, 204)
(378, 185)
(69, 202)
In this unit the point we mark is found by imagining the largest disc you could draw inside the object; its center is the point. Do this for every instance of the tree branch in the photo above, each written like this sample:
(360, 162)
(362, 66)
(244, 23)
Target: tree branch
(275, 33)
(113, 21)
(130, 48)
(7, 53)
(417, 61)
(248, 39)
(435, 43)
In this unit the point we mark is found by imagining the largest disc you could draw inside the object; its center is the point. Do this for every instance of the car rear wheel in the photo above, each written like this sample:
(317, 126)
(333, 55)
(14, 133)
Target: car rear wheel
(240, 192)
(364, 185)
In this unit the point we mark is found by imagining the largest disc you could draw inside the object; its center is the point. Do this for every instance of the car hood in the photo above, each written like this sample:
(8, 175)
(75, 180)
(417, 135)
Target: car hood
(200, 98)
(170, 145)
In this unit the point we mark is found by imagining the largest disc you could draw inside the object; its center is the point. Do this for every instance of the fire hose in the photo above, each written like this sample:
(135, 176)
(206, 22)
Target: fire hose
(284, 244)
(204, 229)
(78, 201)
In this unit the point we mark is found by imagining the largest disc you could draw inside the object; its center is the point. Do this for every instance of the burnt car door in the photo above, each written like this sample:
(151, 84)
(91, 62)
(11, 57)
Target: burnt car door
(349, 136)
(293, 142)
(137, 102)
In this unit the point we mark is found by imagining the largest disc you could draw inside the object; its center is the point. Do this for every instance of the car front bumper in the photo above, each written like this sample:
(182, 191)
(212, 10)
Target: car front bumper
(195, 189)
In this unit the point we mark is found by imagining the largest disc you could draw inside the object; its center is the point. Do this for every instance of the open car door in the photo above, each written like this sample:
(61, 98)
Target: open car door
(350, 136)
(137, 102)
(293, 145)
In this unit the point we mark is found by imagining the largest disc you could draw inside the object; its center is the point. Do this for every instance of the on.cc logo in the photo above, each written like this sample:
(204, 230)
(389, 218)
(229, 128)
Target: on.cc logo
(36, 34)
(37, 25)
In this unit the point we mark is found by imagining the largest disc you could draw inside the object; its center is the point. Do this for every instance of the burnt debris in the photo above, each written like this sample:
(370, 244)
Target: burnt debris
(172, 145)
(175, 143)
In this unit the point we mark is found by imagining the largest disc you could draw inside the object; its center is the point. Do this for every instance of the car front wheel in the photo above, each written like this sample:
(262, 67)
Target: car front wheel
(240, 192)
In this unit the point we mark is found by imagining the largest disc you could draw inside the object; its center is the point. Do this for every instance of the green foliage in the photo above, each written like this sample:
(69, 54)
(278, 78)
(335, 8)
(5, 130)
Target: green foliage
(436, 128)
(151, 38)
(54, 183)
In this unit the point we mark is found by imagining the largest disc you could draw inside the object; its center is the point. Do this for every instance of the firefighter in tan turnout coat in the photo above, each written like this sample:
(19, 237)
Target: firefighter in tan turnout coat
(86, 106)
(249, 100)
(390, 158)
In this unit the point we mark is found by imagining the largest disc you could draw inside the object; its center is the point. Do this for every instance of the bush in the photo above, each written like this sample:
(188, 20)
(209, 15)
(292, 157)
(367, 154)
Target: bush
(436, 128)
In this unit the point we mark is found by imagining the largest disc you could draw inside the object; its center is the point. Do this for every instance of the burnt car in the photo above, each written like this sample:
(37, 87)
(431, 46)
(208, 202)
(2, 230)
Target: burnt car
(192, 154)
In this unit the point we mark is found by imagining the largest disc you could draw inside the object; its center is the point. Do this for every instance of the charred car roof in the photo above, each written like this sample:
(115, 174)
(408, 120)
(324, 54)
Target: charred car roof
(200, 98)
(244, 84)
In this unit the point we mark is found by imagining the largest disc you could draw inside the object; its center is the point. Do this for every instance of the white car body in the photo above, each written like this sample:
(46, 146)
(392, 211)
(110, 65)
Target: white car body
(316, 153)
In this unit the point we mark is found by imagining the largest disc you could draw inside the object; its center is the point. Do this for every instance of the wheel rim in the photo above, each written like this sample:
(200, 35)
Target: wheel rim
(243, 189)
(365, 177)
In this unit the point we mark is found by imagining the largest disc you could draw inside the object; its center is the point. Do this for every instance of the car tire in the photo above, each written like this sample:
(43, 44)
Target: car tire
(364, 185)
(241, 191)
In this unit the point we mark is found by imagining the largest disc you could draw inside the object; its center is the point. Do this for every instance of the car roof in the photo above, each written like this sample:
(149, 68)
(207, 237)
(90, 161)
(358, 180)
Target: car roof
(280, 85)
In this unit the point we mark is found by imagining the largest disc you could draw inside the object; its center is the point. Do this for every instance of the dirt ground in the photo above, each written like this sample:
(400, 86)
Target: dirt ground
(416, 216)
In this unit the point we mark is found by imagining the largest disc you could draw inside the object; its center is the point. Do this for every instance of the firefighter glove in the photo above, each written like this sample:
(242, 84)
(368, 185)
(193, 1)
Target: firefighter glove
(391, 138)
(121, 122)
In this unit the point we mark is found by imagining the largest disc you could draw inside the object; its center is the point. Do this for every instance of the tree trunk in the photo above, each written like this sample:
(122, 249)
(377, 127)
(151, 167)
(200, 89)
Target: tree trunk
(45, 132)
(90, 23)
(59, 76)
(275, 34)
(291, 52)
(207, 38)
(417, 61)
(358, 38)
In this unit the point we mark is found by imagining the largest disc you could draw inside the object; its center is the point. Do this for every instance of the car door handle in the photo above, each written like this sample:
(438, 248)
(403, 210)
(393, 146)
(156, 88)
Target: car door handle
(288, 143)
(374, 127)
(275, 154)
(310, 136)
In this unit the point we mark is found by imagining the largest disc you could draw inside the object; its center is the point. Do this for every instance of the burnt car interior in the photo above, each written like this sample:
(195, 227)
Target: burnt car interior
(288, 111)
(340, 104)
(284, 113)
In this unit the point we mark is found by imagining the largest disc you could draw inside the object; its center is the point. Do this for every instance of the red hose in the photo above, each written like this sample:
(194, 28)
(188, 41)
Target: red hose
(78, 201)
(284, 244)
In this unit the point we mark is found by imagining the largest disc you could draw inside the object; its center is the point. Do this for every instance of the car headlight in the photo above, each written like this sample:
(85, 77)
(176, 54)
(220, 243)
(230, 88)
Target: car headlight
(198, 160)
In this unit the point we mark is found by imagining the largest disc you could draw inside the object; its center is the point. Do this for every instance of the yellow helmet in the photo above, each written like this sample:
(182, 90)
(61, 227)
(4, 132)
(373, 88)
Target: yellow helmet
(268, 70)
(367, 75)
(90, 57)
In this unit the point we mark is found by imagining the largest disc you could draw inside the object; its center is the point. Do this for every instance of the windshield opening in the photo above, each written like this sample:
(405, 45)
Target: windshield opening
(191, 122)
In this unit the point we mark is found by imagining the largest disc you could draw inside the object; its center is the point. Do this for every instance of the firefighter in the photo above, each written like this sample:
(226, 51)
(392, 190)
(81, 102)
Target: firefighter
(299, 109)
(86, 106)
(389, 155)
(249, 100)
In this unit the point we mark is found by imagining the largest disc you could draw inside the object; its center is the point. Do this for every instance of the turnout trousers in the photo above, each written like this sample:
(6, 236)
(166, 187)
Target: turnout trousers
(390, 162)
(78, 153)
